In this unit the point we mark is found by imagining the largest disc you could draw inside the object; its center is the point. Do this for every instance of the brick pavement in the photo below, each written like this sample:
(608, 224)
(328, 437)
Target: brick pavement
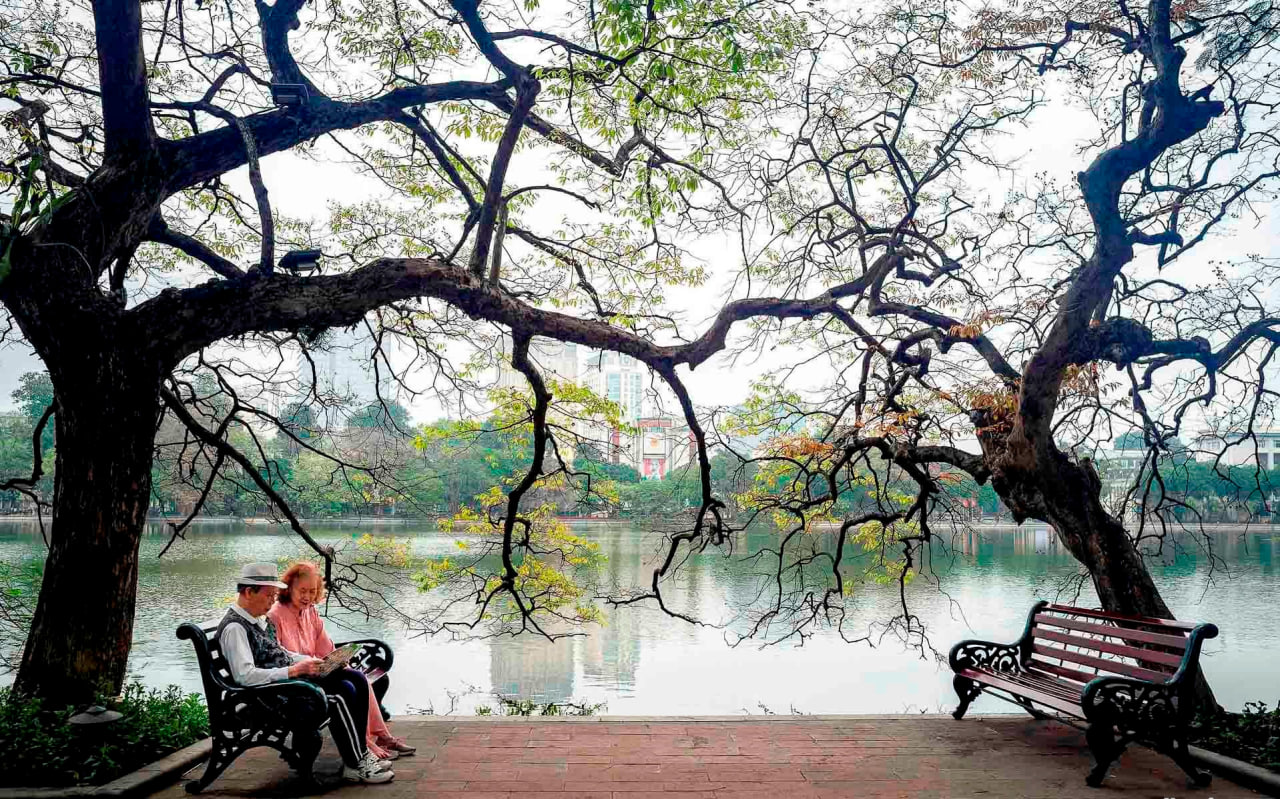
(791, 757)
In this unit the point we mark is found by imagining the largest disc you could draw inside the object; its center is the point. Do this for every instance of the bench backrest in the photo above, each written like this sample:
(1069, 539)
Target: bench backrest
(213, 666)
(1079, 644)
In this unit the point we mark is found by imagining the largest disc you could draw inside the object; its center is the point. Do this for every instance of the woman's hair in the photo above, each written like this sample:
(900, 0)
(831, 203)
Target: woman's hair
(303, 569)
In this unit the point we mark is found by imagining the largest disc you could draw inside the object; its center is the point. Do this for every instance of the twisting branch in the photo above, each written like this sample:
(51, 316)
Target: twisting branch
(161, 233)
(212, 439)
(527, 89)
(267, 260)
(37, 457)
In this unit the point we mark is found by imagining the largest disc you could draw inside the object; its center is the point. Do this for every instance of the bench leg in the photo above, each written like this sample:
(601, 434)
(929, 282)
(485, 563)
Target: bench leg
(221, 756)
(1030, 708)
(968, 691)
(1102, 743)
(306, 747)
(1182, 757)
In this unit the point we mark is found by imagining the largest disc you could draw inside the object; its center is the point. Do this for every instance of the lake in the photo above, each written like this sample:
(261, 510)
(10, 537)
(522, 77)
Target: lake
(642, 662)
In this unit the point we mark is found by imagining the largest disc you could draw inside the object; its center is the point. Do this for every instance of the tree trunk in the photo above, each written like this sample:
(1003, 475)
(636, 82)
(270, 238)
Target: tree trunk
(1101, 544)
(83, 625)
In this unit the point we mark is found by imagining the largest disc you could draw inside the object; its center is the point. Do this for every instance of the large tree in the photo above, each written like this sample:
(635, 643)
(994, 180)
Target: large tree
(837, 152)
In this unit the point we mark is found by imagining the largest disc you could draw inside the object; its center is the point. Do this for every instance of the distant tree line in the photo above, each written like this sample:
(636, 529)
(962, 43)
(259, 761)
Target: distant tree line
(437, 469)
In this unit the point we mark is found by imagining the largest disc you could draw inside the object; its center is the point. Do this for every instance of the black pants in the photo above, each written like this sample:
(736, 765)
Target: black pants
(348, 693)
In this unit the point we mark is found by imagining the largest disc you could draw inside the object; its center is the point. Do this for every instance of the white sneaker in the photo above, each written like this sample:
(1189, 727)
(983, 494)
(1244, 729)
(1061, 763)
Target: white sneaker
(367, 773)
(374, 762)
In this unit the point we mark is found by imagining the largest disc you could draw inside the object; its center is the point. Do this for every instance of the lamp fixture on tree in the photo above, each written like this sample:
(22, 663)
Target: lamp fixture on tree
(289, 95)
(301, 261)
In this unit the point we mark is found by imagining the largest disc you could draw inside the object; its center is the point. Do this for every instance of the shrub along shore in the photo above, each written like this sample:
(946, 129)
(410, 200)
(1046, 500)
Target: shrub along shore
(41, 749)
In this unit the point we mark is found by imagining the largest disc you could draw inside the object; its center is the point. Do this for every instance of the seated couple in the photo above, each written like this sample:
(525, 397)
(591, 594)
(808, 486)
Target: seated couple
(264, 641)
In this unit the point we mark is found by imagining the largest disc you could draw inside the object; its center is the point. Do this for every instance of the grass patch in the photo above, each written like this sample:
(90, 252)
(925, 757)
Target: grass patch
(1252, 736)
(41, 749)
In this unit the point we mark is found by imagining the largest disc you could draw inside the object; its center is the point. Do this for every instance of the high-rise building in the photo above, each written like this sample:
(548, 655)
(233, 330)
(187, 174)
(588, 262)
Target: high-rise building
(618, 378)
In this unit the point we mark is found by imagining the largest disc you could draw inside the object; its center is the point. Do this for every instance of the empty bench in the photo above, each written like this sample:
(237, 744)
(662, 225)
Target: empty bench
(287, 716)
(1130, 678)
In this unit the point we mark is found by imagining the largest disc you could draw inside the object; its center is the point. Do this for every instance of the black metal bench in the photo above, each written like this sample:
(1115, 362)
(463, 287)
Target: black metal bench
(1131, 678)
(287, 716)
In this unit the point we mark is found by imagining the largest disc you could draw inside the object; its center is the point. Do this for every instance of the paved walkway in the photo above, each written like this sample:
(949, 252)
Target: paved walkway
(791, 757)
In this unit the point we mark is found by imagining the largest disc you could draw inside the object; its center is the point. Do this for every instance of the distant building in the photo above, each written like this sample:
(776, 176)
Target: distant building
(618, 378)
(666, 443)
(1238, 450)
(556, 360)
(1119, 465)
(663, 442)
(343, 370)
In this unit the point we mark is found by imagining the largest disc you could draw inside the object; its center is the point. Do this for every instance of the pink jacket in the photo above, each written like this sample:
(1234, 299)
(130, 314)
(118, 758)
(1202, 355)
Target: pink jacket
(300, 631)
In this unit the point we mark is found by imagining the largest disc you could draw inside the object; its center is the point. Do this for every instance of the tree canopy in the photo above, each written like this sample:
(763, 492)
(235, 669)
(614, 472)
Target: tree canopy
(520, 172)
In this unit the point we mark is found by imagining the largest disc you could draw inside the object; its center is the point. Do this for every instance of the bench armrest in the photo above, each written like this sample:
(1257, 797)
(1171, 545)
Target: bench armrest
(376, 654)
(1128, 703)
(1190, 665)
(999, 657)
(985, 654)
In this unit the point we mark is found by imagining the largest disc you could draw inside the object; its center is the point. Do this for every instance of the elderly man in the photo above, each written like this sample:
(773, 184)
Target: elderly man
(248, 642)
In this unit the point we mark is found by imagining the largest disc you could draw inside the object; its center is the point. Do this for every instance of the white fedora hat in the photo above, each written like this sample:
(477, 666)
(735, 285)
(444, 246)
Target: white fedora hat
(260, 574)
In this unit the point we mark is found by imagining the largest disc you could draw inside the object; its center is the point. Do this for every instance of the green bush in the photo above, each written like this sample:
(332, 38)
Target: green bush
(1253, 735)
(41, 749)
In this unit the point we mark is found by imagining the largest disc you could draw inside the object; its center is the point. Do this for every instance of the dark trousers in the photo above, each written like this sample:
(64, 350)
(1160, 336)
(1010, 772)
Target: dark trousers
(348, 694)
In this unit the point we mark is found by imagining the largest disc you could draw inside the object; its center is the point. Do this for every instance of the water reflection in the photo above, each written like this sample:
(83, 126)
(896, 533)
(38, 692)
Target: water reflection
(644, 662)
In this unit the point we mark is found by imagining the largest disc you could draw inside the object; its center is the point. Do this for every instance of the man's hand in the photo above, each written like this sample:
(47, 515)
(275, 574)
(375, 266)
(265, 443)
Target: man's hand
(305, 668)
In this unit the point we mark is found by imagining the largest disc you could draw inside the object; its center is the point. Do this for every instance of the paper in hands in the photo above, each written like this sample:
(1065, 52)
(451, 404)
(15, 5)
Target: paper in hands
(336, 660)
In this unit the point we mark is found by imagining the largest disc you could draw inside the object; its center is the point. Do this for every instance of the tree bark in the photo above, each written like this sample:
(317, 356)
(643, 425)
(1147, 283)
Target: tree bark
(83, 624)
(1068, 496)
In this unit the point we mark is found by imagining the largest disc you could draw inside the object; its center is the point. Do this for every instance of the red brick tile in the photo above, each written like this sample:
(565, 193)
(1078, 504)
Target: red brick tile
(755, 773)
(516, 785)
(631, 773)
(663, 795)
(613, 786)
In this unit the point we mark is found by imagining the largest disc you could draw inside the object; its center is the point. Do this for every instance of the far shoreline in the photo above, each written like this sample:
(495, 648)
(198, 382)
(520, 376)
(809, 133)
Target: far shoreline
(393, 521)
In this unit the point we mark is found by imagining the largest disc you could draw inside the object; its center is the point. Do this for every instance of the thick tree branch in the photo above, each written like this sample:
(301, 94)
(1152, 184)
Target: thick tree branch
(198, 158)
(122, 74)
(526, 93)
(161, 233)
(267, 258)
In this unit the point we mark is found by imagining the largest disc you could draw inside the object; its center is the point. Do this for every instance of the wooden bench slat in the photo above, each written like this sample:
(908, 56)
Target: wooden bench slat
(1039, 697)
(1145, 655)
(1045, 682)
(1059, 670)
(1112, 666)
(1178, 642)
(1116, 617)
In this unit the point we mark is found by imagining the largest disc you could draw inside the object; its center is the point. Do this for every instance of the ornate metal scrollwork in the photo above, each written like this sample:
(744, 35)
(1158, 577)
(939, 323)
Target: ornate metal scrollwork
(986, 655)
(1149, 710)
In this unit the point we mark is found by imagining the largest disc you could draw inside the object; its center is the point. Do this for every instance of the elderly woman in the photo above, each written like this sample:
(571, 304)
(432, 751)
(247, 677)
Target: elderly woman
(300, 629)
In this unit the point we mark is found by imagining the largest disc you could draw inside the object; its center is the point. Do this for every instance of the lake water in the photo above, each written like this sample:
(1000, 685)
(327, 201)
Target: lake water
(642, 662)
